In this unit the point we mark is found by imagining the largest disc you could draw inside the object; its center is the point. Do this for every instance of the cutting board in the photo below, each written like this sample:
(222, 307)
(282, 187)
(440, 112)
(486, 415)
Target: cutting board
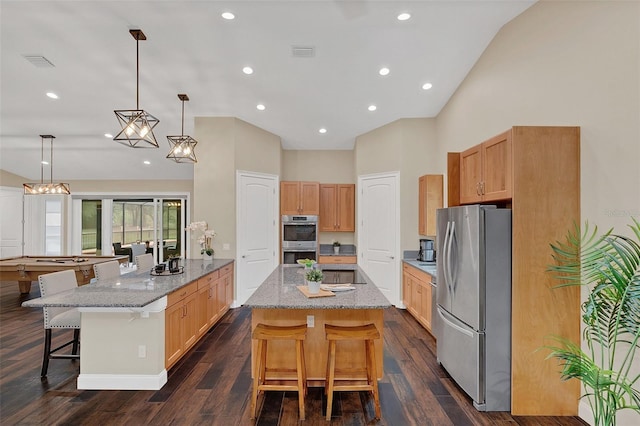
(323, 293)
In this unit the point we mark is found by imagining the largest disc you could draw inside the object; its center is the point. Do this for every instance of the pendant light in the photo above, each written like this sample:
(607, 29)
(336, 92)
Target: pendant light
(183, 146)
(137, 124)
(43, 188)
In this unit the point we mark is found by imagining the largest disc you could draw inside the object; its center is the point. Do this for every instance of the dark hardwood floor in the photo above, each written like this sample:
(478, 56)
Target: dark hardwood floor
(212, 384)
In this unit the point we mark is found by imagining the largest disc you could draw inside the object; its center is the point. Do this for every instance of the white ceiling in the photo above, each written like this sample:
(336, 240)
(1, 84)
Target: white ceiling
(191, 49)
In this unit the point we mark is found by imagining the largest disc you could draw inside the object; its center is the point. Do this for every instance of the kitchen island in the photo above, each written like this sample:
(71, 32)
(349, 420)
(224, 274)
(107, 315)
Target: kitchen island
(278, 301)
(135, 326)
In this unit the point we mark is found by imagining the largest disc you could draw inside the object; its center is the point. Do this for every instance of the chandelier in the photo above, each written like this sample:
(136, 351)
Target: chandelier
(183, 146)
(137, 124)
(50, 187)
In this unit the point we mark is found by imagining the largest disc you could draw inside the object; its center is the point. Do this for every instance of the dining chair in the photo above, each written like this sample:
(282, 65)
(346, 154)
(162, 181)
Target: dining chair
(106, 270)
(59, 317)
(144, 262)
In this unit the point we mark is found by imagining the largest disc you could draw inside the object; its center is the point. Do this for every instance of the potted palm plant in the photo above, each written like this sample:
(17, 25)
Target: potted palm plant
(314, 279)
(608, 366)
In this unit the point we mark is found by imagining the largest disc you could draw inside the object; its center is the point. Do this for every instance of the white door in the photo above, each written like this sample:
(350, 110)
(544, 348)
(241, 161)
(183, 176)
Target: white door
(379, 232)
(10, 222)
(257, 231)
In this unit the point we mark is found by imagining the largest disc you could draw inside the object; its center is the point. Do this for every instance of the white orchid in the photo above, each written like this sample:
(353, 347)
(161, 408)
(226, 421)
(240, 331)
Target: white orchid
(205, 239)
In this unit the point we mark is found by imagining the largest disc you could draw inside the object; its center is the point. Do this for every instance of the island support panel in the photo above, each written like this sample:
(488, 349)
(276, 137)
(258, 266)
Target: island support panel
(349, 355)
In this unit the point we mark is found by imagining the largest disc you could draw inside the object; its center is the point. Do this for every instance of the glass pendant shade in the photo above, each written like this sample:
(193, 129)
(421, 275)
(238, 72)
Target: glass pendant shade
(137, 124)
(183, 146)
(46, 188)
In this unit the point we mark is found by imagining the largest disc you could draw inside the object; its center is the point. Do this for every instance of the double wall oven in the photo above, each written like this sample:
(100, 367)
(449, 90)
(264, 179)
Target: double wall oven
(299, 237)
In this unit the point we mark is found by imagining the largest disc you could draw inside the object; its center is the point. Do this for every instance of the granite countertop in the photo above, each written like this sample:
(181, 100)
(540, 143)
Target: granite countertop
(133, 290)
(345, 250)
(279, 291)
(428, 267)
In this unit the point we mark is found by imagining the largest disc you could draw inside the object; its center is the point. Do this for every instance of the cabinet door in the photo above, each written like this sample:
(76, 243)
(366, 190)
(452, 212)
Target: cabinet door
(213, 307)
(471, 175)
(416, 298)
(430, 198)
(496, 168)
(290, 197)
(229, 290)
(346, 209)
(310, 198)
(203, 310)
(173, 348)
(406, 289)
(328, 208)
(425, 304)
(190, 321)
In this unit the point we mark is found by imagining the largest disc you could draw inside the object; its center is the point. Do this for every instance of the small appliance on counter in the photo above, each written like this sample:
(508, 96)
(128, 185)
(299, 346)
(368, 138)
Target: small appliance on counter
(427, 251)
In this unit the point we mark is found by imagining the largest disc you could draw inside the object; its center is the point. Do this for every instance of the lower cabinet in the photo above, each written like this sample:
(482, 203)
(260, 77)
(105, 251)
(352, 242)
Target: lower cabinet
(181, 323)
(194, 309)
(337, 259)
(416, 294)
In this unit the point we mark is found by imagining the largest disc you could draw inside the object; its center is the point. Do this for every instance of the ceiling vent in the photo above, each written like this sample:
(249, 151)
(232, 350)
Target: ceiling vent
(303, 51)
(39, 61)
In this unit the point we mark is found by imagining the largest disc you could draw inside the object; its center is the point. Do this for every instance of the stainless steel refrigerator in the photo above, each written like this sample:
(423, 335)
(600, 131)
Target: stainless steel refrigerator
(474, 302)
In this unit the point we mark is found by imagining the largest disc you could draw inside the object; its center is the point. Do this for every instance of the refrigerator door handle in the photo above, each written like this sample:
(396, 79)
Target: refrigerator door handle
(445, 266)
(452, 322)
(453, 252)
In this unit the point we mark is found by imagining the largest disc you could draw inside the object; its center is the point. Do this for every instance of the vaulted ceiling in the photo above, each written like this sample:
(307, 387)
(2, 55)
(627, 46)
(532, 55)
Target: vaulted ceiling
(191, 49)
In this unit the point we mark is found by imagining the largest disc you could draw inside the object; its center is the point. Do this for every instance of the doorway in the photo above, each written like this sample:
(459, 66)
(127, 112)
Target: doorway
(379, 231)
(257, 230)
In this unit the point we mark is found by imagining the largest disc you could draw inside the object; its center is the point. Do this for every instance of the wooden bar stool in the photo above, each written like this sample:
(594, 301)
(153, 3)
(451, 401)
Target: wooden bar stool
(368, 333)
(263, 333)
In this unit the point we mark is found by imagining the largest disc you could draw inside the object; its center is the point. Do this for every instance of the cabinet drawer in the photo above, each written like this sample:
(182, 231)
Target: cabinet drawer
(337, 259)
(207, 280)
(180, 294)
(226, 270)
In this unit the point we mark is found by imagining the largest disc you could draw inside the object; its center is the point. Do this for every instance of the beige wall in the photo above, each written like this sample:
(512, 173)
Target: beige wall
(564, 63)
(330, 166)
(9, 179)
(225, 145)
(408, 146)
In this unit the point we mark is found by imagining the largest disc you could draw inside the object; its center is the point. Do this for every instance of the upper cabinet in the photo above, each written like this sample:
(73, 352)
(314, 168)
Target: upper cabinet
(337, 208)
(430, 190)
(485, 171)
(299, 197)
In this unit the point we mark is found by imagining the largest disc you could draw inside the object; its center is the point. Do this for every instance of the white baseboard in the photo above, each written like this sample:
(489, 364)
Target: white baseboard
(122, 381)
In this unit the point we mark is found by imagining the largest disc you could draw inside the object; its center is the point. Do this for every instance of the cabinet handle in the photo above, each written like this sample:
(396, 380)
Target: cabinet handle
(478, 188)
(482, 187)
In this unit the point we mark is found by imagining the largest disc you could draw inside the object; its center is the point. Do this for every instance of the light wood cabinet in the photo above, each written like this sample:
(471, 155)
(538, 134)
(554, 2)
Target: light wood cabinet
(337, 208)
(181, 322)
(416, 287)
(299, 197)
(536, 169)
(192, 310)
(486, 171)
(337, 259)
(430, 198)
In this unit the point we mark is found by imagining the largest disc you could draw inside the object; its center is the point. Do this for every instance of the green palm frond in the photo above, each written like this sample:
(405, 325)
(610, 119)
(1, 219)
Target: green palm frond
(610, 266)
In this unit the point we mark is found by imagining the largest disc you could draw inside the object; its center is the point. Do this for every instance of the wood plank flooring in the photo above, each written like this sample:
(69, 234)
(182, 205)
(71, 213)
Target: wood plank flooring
(212, 384)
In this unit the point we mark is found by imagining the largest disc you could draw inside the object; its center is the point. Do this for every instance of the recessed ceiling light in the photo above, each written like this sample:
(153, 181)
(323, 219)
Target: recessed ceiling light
(228, 15)
(261, 107)
(384, 71)
(372, 108)
(427, 86)
(404, 16)
(247, 70)
(323, 130)
(108, 135)
(147, 162)
(52, 95)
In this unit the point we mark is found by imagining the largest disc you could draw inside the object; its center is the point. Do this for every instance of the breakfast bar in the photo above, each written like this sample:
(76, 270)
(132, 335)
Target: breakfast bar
(279, 301)
(129, 333)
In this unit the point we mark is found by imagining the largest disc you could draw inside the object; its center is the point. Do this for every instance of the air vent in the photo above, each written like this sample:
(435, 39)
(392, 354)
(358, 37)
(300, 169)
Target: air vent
(303, 51)
(39, 61)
